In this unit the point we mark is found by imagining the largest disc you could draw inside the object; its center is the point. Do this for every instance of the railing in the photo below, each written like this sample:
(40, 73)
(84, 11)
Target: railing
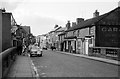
(7, 58)
(108, 52)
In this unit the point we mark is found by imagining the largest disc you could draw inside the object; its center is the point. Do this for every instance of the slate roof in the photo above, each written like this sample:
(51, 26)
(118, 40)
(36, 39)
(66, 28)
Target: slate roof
(27, 29)
(63, 33)
(61, 29)
(55, 29)
(110, 18)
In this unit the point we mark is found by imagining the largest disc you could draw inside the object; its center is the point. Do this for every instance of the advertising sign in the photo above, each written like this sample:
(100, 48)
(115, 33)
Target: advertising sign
(108, 36)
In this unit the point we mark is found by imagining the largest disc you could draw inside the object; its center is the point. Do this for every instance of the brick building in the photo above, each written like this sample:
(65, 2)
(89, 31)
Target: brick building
(99, 31)
(7, 21)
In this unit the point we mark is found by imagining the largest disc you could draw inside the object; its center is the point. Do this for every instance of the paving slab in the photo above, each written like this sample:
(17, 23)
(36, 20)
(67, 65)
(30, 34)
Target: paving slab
(22, 67)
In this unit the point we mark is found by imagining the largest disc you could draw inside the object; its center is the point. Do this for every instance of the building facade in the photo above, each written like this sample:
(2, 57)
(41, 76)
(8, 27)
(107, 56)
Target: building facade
(99, 31)
(41, 40)
(7, 22)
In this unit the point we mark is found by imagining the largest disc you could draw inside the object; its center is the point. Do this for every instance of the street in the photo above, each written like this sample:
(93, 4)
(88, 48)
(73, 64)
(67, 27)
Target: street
(54, 64)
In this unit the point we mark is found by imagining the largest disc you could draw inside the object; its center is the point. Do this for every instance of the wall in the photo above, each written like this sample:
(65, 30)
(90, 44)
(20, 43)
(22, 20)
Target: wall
(108, 36)
(83, 32)
(0, 31)
(80, 43)
(0, 43)
(6, 31)
(92, 33)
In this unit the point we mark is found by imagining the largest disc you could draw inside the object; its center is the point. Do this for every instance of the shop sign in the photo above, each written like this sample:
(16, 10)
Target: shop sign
(108, 36)
(110, 29)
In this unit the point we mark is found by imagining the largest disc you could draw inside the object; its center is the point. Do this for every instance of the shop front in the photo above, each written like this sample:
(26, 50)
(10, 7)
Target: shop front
(70, 44)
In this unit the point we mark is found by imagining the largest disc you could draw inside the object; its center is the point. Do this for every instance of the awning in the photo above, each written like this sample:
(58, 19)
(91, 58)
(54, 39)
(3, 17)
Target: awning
(71, 37)
(89, 36)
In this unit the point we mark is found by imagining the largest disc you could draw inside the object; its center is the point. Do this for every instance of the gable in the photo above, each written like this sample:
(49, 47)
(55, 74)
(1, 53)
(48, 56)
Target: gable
(110, 18)
(113, 18)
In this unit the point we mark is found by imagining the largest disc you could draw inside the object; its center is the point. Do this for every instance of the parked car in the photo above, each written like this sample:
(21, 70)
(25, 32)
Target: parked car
(35, 51)
(53, 47)
(45, 48)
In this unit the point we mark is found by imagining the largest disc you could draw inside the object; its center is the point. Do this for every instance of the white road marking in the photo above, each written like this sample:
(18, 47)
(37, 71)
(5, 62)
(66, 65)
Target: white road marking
(45, 66)
(35, 69)
(42, 73)
(44, 76)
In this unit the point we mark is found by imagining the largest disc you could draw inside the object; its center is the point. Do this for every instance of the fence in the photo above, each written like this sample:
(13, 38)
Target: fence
(108, 52)
(7, 58)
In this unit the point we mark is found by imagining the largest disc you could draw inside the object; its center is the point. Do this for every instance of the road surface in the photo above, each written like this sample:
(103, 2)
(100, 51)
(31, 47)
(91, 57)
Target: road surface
(54, 64)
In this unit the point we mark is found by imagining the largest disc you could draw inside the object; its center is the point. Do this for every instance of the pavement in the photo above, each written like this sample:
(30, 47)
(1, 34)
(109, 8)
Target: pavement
(110, 61)
(24, 67)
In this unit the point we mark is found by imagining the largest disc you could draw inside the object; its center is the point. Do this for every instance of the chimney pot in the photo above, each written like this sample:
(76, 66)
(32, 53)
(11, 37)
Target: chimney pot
(96, 13)
(79, 20)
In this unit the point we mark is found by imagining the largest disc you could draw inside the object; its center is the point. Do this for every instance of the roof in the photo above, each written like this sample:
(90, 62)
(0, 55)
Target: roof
(61, 29)
(26, 28)
(110, 18)
(63, 33)
(55, 29)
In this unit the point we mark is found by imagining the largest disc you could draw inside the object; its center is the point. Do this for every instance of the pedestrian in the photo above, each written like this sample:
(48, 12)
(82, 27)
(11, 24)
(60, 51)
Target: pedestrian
(71, 49)
(24, 50)
(19, 47)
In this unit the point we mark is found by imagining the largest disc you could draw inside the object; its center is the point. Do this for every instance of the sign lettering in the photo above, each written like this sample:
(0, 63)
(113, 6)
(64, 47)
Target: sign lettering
(110, 29)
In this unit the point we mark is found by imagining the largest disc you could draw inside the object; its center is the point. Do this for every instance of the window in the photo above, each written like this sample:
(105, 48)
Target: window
(90, 41)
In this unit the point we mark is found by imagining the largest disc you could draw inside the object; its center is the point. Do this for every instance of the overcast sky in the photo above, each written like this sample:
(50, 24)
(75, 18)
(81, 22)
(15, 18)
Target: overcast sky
(42, 15)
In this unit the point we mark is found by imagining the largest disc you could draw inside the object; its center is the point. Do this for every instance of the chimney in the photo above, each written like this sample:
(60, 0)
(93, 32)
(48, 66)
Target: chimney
(73, 24)
(96, 13)
(68, 25)
(79, 20)
(119, 4)
(56, 26)
(3, 10)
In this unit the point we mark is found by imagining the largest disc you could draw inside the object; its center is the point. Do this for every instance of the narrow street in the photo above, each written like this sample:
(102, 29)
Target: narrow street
(54, 64)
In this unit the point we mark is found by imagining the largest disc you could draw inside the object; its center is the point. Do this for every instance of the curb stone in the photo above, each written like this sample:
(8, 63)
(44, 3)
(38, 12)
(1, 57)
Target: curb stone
(34, 70)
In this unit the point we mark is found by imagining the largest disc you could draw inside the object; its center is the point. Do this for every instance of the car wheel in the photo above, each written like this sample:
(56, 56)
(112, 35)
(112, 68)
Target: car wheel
(30, 55)
(40, 55)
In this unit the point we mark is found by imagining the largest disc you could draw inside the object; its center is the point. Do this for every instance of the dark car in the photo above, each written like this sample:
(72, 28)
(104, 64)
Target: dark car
(53, 47)
(45, 48)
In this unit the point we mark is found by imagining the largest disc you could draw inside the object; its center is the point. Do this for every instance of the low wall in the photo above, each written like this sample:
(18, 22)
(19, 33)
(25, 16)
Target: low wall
(7, 58)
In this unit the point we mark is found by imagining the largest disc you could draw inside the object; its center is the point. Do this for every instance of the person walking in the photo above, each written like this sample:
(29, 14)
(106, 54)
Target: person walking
(71, 49)
(19, 47)
(24, 50)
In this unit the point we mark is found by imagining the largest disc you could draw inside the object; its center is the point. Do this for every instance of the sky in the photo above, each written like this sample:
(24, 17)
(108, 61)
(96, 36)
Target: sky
(43, 15)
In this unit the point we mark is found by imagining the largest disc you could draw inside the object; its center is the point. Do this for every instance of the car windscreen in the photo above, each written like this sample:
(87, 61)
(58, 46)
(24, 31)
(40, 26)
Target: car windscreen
(35, 48)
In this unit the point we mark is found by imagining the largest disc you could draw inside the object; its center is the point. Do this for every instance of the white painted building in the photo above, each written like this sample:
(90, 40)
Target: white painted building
(41, 40)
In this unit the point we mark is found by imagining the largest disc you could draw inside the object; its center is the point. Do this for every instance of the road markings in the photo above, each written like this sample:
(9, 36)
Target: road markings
(42, 73)
(44, 76)
(41, 66)
(34, 69)
(45, 66)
